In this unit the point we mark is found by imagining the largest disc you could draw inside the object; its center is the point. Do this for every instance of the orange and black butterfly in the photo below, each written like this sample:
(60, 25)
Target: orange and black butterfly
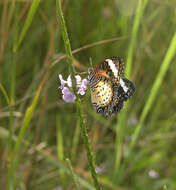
(109, 88)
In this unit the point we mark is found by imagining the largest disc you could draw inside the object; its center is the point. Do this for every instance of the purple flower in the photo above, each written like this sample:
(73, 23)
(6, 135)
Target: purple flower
(68, 96)
(100, 170)
(81, 85)
(63, 82)
(59, 188)
(153, 174)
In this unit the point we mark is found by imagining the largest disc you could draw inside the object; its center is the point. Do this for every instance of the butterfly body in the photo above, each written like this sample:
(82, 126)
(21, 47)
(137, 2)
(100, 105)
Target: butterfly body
(109, 88)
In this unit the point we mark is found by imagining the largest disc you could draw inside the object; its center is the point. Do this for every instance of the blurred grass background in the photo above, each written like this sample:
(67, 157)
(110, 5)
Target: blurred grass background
(30, 45)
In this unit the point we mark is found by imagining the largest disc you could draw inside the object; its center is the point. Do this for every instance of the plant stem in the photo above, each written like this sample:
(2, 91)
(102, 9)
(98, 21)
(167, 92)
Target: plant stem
(87, 146)
(71, 67)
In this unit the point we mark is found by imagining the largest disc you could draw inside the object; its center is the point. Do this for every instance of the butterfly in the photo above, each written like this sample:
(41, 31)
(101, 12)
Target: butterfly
(109, 88)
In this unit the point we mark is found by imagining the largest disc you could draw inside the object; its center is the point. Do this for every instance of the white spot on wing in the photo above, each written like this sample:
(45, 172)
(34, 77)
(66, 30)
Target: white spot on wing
(113, 67)
(125, 88)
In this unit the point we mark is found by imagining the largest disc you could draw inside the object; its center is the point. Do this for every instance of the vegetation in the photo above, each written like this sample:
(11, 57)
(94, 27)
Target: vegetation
(46, 143)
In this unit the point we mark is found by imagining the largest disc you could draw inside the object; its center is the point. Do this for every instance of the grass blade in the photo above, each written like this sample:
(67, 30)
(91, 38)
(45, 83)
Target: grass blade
(123, 114)
(10, 104)
(60, 148)
(5, 94)
(27, 23)
(75, 141)
(72, 174)
(139, 13)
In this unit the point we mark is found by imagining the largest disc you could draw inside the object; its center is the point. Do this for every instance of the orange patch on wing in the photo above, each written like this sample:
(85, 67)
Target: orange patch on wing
(103, 73)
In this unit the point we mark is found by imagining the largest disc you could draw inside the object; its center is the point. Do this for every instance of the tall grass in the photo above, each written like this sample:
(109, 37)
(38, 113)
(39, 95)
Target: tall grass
(128, 69)
(152, 97)
(171, 52)
(13, 157)
(38, 131)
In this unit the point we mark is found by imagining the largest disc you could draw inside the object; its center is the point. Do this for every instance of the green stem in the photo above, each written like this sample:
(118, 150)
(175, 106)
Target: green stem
(87, 146)
(71, 67)
(67, 43)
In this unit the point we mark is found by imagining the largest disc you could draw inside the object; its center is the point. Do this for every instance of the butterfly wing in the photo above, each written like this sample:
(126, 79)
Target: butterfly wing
(126, 89)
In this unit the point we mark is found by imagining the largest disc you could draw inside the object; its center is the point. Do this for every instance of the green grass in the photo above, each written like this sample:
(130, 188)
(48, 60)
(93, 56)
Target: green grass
(139, 11)
(48, 144)
(27, 23)
(155, 88)
(14, 157)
